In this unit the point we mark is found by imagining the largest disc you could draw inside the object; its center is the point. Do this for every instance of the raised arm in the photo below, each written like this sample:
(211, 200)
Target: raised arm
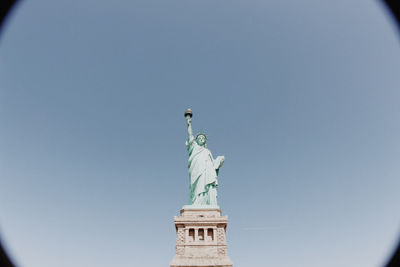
(188, 116)
(190, 131)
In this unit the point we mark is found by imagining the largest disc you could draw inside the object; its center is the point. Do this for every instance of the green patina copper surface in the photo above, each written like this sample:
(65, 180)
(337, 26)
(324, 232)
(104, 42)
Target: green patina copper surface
(203, 169)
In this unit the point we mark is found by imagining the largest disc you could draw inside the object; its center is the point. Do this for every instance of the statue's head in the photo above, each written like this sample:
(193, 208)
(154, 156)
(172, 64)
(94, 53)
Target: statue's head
(201, 139)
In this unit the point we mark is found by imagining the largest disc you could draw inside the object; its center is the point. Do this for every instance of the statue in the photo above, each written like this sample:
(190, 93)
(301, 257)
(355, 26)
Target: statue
(203, 168)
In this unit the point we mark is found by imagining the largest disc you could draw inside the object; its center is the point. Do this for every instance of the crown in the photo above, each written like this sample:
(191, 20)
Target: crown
(203, 134)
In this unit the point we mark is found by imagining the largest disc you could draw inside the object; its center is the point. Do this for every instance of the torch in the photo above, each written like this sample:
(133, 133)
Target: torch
(188, 114)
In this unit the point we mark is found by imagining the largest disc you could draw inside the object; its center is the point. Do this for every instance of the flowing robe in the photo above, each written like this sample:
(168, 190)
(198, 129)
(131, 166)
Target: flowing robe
(203, 171)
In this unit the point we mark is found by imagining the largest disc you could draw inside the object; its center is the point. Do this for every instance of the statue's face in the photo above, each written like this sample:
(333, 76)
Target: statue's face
(201, 140)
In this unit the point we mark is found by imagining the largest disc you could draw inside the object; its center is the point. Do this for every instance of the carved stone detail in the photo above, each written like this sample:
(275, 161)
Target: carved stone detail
(180, 236)
(222, 250)
(221, 235)
(180, 250)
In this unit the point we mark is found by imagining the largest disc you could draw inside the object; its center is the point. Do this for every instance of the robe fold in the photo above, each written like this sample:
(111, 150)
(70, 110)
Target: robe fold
(203, 174)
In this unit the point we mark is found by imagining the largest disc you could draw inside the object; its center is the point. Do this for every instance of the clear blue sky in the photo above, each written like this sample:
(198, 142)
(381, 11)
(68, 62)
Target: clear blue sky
(301, 98)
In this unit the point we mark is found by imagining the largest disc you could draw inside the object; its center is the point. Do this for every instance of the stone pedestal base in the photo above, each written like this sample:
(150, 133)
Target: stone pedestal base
(201, 238)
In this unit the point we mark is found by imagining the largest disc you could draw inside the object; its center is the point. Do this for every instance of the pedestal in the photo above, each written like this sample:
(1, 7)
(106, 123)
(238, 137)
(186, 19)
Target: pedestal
(201, 238)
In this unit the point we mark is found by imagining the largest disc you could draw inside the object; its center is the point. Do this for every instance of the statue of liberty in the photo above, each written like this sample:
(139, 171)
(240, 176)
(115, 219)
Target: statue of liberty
(203, 168)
